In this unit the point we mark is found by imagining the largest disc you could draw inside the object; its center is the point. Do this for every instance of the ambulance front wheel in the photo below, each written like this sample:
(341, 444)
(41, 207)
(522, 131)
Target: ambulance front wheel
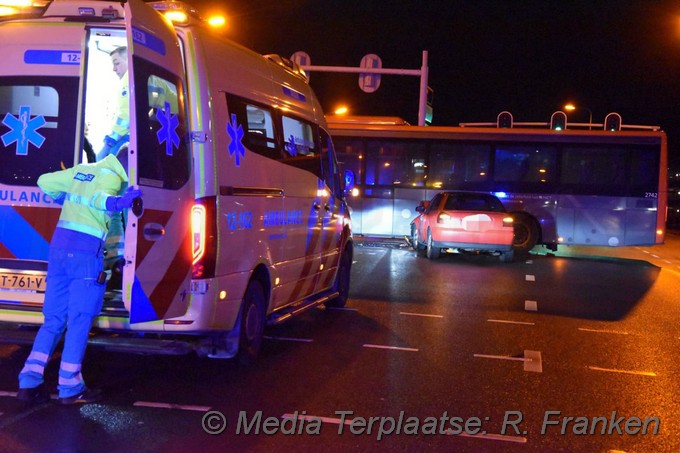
(252, 323)
(341, 282)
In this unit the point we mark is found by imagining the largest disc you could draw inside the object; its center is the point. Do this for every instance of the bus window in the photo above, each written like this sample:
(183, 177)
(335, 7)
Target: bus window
(456, 165)
(598, 171)
(533, 163)
(395, 163)
(643, 176)
(350, 154)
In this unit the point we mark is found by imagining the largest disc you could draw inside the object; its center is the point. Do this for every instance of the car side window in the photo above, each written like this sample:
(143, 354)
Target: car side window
(434, 204)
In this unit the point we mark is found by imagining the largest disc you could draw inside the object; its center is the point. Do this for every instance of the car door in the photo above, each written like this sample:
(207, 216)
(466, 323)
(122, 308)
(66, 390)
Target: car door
(158, 248)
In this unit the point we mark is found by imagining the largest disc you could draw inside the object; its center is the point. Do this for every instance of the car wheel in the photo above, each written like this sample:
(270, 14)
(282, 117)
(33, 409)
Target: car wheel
(252, 323)
(525, 234)
(341, 284)
(432, 251)
(507, 257)
(415, 243)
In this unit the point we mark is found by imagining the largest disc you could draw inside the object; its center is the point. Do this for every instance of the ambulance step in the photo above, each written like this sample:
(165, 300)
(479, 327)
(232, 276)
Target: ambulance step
(295, 309)
(110, 342)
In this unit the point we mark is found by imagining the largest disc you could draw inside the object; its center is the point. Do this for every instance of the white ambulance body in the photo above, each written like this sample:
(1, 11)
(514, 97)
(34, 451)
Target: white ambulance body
(243, 219)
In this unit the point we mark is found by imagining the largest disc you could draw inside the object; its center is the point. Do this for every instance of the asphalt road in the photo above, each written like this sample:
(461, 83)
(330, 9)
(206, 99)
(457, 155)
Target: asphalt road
(573, 351)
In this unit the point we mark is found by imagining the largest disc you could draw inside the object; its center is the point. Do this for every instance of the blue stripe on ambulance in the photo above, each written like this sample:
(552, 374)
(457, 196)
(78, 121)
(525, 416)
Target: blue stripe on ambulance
(143, 310)
(19, 237)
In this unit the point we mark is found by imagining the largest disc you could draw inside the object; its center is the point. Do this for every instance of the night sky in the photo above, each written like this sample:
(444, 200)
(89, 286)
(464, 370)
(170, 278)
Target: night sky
(526, 56)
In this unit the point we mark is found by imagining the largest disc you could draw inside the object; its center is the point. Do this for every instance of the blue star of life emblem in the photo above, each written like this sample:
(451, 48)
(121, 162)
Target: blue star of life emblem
(291, 147)
(168, 131)
(23, 130)
(236, 148)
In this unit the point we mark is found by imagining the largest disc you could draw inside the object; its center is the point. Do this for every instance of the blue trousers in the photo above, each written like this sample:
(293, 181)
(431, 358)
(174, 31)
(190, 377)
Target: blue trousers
(73, 298)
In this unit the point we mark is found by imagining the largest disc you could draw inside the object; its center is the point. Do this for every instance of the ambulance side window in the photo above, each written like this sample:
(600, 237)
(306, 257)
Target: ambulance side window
(329, 164)
(299, 145)
(257, 124)
(163, 159)
(37, 127)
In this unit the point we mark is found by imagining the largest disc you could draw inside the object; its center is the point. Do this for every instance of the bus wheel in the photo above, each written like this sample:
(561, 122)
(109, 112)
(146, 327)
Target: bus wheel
(252, 323)
(432, 251)
(525, 235)
(341, 284)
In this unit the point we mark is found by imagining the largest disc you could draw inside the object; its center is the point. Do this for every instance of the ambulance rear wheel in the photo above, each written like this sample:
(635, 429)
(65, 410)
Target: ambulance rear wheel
(341, 282)
(252, 323)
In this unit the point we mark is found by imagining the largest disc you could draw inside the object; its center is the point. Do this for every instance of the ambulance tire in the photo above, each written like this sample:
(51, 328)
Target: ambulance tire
(341, 284)
(252, 323)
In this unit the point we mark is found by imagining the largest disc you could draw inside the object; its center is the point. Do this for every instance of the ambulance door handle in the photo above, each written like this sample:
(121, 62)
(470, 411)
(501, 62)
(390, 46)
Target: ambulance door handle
(316, 206)
(327, 207)
(153, 231)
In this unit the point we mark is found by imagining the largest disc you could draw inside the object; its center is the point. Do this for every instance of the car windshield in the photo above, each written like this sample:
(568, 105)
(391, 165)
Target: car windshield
(473, 202)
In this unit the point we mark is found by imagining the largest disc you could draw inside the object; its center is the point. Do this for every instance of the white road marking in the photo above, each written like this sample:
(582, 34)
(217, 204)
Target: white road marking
(505, 321)
(655, 256)
(184, 407)
(502, 357)
(486, 436)
(617, 332)
(536, 363)
(335, 421)
(530, 261)
(612, 370)
(420, 314)
(10, 394)
(530, 278)
(396, 348)
(530, 305)
(532, 360)
(301, 340)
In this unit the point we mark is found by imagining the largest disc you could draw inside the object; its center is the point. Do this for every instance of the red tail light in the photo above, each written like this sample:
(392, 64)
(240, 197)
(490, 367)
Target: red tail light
(203, 238)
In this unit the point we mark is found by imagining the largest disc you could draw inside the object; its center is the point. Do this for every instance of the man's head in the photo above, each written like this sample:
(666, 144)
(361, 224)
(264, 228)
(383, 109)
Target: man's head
(119, 60)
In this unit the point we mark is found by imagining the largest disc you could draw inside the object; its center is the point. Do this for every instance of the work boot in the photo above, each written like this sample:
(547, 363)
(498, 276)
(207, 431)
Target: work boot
(34, 395)
(86, 396)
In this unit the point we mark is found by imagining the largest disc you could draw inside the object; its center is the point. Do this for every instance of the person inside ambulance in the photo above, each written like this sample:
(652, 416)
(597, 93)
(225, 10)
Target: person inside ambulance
(120, 132)
(75, 276)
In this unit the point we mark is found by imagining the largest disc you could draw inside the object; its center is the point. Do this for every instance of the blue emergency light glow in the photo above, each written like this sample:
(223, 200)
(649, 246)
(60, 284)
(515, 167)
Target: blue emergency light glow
(86, 11)
(501, 194)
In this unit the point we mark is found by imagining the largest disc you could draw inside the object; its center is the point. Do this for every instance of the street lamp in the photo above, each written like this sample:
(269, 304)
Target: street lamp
(572, 107)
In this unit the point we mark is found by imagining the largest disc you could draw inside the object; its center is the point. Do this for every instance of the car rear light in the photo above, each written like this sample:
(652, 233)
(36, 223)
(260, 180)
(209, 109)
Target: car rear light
(507, 221)
(203, 234)
(443, 218)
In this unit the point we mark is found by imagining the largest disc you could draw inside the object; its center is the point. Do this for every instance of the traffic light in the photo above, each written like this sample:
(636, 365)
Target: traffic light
(612, 122)
(558, 121)
(504, 120)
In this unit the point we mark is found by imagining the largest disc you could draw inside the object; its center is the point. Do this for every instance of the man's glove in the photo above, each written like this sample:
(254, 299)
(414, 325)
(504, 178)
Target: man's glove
(124, 201)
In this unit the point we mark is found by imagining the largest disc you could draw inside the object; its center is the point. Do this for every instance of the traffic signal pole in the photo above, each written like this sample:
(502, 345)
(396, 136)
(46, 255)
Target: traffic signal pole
(422, 73)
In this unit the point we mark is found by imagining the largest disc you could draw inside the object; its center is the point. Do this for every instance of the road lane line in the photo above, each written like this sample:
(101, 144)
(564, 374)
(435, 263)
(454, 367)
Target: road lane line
(655, 256)
(617, 332)
(612, 370)
(5, 393)
(301, 340)
(530, 305)
(530, 261)
(502, 357)
(396, 348)
(335, 421)
(530, 278)
(184, 407)
(505, 321)
(406, 313)
(486, 436)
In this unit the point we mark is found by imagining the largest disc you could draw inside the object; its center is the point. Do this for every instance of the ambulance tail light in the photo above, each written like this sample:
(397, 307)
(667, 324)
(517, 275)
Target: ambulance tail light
(203, 238)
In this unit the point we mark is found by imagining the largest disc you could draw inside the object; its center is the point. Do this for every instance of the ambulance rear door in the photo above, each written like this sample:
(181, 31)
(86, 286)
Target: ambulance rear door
(158, 247)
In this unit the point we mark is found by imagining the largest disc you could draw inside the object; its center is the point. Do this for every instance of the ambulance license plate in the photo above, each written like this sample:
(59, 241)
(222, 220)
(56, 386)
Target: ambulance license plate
(25, 282)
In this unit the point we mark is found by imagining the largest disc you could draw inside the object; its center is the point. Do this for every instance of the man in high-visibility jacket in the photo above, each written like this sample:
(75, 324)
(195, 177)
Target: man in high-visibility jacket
(75, 277)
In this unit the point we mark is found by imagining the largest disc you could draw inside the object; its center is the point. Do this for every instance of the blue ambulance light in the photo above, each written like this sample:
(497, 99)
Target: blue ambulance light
(501, 194)
(86, 11)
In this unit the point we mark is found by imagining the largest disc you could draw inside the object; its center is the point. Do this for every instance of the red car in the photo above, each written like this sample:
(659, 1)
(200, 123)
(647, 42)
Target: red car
(461, 222)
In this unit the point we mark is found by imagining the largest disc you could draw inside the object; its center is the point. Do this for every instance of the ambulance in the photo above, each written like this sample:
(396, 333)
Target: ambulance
(243, 221)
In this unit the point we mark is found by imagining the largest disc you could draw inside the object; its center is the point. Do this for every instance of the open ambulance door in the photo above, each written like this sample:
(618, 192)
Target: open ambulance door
(158, 248)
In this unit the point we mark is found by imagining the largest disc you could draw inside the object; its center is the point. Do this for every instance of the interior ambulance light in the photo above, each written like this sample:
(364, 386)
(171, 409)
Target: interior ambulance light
(198, 218)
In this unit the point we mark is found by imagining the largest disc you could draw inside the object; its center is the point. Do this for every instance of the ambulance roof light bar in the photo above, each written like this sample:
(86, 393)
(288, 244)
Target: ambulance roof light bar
(176, 12)
(22, 7)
